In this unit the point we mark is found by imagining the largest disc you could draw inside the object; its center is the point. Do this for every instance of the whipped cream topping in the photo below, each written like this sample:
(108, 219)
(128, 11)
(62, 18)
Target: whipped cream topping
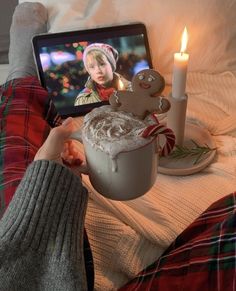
(114, 131)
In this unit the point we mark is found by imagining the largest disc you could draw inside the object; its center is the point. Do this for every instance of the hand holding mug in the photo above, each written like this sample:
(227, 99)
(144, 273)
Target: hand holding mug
(60, 148)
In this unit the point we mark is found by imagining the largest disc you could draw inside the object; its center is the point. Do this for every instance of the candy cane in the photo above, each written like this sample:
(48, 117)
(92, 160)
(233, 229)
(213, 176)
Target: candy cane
(155, 130)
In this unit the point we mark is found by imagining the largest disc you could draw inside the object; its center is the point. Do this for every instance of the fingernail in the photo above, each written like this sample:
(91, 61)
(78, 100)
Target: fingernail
(67, 121)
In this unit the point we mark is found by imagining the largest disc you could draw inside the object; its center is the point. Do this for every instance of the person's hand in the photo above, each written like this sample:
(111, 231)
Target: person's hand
(59, 148)
(70, 155)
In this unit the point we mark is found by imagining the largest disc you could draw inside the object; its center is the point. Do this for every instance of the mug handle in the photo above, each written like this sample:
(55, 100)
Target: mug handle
(77, 135)
(155, 130)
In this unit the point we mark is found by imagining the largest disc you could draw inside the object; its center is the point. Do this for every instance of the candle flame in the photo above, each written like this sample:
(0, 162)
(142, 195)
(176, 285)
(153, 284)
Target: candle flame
(120, 85)
(184, 40)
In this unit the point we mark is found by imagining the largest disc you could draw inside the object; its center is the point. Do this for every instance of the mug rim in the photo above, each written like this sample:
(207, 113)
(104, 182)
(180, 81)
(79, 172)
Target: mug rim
(148, 143)
(124, 151)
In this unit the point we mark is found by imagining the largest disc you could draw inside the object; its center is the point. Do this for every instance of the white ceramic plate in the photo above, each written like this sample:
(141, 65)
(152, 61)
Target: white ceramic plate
(186, 166)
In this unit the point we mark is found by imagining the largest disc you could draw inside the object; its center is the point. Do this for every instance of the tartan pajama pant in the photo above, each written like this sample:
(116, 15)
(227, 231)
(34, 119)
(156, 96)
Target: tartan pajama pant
(203, 257)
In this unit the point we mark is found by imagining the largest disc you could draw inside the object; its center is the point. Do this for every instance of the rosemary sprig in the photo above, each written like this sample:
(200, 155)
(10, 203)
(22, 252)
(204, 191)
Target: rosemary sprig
(197, 151)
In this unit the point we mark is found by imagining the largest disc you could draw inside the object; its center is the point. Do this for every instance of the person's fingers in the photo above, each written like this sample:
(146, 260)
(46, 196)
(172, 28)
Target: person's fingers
(60, 134)
(73, 151)
(55, 142)
(71, 154)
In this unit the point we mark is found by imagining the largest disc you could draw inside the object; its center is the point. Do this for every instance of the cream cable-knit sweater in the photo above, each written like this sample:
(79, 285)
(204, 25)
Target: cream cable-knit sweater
(127, 236)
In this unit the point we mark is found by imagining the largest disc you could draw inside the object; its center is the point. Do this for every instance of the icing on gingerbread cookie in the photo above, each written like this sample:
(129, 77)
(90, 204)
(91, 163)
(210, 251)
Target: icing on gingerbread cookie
(143, 99)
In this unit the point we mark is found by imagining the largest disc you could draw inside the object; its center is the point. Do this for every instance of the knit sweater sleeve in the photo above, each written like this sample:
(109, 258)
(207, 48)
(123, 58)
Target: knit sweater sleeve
(41, 232)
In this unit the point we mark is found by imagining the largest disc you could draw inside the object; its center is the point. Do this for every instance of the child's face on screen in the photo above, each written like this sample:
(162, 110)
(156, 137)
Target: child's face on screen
(99, 69)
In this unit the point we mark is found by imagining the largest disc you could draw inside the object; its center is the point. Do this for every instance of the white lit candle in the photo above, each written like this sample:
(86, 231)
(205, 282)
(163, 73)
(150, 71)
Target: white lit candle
(180, 68)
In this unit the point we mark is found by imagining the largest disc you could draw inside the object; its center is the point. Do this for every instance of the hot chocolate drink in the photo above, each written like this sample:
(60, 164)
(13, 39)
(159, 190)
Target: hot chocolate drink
(114, 131)
(122, 164)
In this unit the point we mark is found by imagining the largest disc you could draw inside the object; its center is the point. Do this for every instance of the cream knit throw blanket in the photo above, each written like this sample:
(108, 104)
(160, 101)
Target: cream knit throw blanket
(127, 236)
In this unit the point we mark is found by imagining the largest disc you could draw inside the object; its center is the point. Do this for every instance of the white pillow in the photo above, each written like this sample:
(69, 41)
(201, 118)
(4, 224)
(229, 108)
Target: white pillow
(211, 26)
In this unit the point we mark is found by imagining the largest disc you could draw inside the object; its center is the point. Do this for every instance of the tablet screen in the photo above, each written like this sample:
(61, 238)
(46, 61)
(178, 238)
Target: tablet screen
(81, 69)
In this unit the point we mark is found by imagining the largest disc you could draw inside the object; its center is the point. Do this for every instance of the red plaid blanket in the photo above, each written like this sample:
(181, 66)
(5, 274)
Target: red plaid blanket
(202, 258)
(23, 102)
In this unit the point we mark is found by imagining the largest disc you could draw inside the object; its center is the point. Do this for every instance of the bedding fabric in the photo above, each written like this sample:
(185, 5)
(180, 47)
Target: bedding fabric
(7, 8)
(201, 258)
(211, 26)
(128, 236)
(204, 254)
(19, 142)
(3, 73)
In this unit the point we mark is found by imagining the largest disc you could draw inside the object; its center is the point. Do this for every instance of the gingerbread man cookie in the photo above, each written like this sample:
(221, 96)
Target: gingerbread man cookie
(143, 100)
